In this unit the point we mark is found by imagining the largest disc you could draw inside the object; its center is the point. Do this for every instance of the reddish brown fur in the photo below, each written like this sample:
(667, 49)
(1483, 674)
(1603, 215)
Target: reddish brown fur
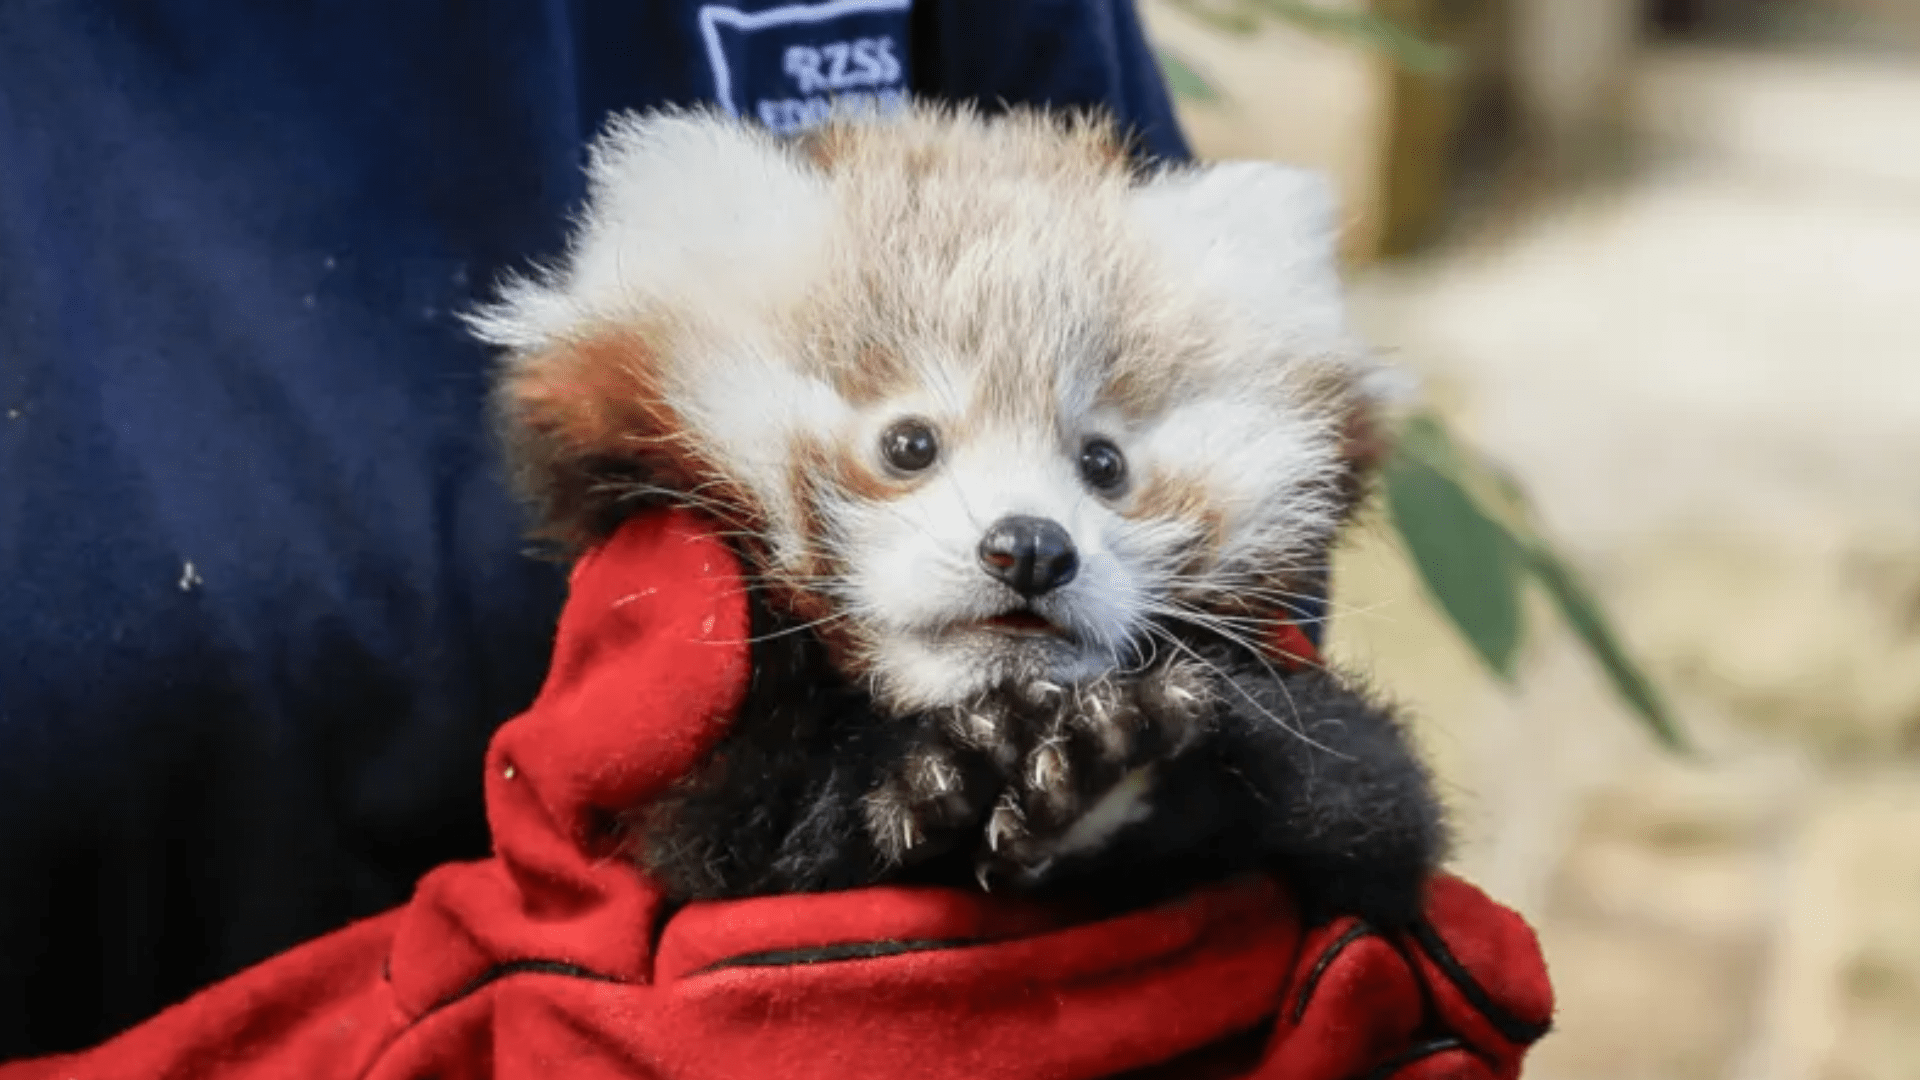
(594, 427)
(816, 473)
(1148, 369)
(871, 374)
(823, 147)
(1182, 498)
(1329, 388)
(592, 431)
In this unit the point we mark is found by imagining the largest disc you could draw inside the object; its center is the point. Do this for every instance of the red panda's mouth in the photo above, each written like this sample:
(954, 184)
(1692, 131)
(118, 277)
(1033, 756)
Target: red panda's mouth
(1024, 622)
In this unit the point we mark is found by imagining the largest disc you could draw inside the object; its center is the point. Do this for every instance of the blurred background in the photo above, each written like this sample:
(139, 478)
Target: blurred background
(1662, 261)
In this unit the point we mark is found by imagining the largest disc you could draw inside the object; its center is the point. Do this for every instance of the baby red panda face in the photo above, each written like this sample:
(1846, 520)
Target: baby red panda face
(978, 402)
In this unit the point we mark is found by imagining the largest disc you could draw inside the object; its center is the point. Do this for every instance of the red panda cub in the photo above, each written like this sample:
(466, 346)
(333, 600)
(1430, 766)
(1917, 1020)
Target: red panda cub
(1027, 451)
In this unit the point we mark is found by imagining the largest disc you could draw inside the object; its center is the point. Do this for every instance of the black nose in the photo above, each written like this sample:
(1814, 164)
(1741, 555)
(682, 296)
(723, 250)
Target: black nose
(1033, 555)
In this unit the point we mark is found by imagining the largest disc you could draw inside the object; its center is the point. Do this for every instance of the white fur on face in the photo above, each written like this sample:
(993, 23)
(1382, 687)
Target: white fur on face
(1266, 472)
(1173, 315)
(916, 577)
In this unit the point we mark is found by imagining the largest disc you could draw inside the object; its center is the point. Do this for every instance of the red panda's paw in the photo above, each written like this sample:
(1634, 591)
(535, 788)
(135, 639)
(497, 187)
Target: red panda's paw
(1027, 775)
(938, 794)
(1082, 766)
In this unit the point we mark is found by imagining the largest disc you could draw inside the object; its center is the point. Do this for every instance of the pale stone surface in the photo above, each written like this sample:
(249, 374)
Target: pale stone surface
(1570, 61)
(1814, 639)
(1285, 95)
(1646, 1006)
(1773, 112)
(1709, 377)
(1844, 983)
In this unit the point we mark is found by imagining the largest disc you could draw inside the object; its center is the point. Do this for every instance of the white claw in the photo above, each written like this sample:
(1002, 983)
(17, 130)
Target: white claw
(1042, 693)
(938, 775)
(892, 827)
(1095, 708)
(1049, 766)
(978, 729)
(1005, 822)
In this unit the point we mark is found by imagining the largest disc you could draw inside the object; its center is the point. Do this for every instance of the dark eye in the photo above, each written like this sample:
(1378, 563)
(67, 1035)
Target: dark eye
(1101, 465)
(909, 445)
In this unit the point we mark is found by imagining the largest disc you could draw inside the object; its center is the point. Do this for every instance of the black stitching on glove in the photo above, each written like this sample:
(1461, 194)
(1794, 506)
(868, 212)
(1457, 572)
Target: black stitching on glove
(1511, 1027)
(1354, 933)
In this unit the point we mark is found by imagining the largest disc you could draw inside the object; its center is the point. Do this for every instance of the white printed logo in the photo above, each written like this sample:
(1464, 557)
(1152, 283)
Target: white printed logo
(791, 67)
(842, 65)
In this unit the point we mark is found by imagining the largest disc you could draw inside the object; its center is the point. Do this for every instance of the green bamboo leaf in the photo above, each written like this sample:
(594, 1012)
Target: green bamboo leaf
(1492, 488)
(1494, 492)
(1397, 43)
(1185, 80)
(1383, 35)
(1238, 20)
(1468, 562)
(1582, 612)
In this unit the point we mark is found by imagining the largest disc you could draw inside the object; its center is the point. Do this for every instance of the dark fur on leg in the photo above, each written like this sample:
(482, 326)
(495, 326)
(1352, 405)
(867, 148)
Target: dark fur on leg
(781, 805)
(1302, 775)
(816, 789)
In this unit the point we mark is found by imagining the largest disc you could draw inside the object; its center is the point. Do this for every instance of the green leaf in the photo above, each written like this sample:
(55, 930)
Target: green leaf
(1493, 489)
(1185, 80)
(1493, 493)
(1468, 562)
(1582, 612)
(1383, 35)
(1238, 20)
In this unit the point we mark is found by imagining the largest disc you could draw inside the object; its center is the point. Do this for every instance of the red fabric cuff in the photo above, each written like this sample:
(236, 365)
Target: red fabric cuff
(1464, 993)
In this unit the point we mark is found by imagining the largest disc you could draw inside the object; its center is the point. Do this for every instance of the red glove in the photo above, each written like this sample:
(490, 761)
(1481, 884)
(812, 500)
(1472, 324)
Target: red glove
(553, 959)
(1461, 995)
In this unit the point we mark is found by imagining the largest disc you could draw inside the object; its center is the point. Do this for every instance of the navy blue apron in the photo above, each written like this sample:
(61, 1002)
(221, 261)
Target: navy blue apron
(262, 593)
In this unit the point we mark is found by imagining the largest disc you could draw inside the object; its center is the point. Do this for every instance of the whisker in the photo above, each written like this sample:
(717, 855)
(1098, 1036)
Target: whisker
(785, 630)
(1296, 729)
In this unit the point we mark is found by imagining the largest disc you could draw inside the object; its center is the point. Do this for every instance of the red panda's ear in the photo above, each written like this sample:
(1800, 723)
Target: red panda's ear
(1366, 441)
(587, 430)
(1358, 403)
(1366, 438)
(1258, 239)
